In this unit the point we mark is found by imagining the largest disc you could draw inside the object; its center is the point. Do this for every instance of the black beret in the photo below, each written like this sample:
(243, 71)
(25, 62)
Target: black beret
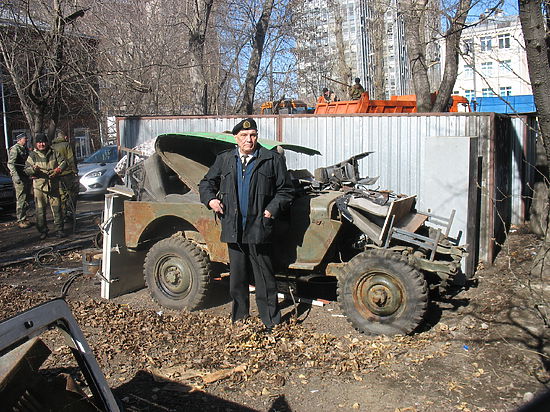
(40, 138)
(246, 124)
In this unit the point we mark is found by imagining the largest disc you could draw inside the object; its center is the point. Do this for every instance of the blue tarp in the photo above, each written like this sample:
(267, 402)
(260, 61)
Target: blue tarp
(516, 104)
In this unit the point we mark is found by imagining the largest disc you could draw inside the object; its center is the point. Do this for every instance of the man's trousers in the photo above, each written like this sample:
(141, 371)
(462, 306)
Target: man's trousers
(245, 261)
(47, 191)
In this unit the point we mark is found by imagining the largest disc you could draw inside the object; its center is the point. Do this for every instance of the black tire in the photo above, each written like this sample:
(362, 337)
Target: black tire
(177, 273)
(381, 294)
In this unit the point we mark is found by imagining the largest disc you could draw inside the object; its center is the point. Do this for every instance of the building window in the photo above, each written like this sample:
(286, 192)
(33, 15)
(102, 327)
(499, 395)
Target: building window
(487, 92)
(505, 65)
(469, 94)
(468, 71)
(468, 46)
(506, 91)
(504, 41)
(487, 69)
(486, 43)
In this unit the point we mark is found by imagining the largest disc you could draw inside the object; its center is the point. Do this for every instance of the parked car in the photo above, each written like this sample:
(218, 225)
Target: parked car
(97, 172)
(7, 193)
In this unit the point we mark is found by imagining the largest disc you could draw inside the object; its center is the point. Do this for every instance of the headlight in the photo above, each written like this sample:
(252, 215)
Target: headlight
(96, 173)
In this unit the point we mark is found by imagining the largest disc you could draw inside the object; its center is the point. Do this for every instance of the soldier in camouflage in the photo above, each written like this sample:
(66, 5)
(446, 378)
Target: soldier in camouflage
(16, 163)
(44, 167)
(68, 179)
(357, 90)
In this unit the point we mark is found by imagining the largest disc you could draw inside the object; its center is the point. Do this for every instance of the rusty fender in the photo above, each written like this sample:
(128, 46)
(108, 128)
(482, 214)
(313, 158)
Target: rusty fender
(138, 216)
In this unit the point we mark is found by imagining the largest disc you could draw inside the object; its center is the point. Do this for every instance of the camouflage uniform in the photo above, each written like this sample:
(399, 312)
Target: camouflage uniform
(46, 186)
(69, 185)
(356, 91)
(16, 163)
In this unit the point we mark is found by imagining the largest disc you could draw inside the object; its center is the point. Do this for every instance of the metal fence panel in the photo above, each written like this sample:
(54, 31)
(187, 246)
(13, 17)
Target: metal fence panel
(133, 131)
(399, 142)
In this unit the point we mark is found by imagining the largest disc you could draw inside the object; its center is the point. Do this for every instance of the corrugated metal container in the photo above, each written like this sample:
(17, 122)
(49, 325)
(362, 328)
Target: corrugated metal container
(498, 172)
(133, 131)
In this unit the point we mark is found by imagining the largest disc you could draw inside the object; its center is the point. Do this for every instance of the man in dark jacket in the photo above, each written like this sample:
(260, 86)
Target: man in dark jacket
(248, 188)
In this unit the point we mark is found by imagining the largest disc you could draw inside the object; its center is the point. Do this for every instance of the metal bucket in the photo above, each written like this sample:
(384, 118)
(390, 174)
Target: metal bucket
(91, 262)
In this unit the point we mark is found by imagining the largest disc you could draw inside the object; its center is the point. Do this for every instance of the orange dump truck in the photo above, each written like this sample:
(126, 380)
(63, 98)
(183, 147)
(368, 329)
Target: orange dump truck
(396, 104)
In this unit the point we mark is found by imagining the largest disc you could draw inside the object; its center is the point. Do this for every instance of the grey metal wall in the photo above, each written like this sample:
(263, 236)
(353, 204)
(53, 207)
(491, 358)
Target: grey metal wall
(396, 140)
(505, 151)
(133, 131)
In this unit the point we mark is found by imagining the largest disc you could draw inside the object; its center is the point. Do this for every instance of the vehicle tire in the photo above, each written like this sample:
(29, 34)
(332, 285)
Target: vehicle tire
(381, 294)
(177, 273)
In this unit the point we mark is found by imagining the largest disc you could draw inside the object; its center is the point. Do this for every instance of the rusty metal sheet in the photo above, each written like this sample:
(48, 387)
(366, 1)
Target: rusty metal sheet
(142, 215)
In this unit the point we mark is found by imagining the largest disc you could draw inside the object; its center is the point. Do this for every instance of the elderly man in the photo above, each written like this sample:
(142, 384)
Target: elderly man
(68, 180)
(16, 163)
(248, 188)
(44, 167)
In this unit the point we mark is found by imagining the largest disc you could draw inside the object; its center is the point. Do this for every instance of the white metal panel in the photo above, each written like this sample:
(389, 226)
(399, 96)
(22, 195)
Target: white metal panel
(396, 140)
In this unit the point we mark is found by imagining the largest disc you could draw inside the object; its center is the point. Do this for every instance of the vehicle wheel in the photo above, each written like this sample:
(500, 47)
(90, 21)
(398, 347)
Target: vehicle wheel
(381, 294)
(177, 273)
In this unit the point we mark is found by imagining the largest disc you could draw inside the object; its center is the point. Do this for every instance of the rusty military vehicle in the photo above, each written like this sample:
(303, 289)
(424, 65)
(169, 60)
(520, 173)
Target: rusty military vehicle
(385, 256)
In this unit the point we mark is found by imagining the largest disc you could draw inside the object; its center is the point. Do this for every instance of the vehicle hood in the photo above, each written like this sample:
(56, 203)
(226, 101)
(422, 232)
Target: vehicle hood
(190, 155)
(84, 168)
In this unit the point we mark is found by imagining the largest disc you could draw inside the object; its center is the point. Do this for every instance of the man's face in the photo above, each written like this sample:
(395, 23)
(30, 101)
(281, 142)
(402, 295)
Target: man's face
(22, 141)
(246, 140)
(41, 146)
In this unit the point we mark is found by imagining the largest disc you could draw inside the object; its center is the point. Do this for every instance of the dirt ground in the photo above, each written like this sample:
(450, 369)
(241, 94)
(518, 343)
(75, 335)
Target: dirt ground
(483, 349)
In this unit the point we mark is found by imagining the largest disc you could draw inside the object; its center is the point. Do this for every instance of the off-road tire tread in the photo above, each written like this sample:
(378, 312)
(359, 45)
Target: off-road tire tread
(200, 261)
(411, 318)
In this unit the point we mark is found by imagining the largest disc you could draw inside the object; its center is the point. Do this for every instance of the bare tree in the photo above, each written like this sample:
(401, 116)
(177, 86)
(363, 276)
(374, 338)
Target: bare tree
(342, 68)
(262, 25)
(45, 60)
(534, 16)
(421, 23)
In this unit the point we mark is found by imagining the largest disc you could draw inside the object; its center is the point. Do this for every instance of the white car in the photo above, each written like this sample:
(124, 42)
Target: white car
(97, 172)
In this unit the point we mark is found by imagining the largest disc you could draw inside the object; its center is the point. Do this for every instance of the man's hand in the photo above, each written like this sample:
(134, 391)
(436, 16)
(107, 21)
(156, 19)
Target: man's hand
(216, 205)
(267, 214)
(55, 172)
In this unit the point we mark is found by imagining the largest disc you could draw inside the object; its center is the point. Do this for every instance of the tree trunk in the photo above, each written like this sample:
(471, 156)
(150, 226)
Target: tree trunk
(452, 46)
(247, 104)
(197, 38)
(536, 45)
(342, 69)
(415, 31)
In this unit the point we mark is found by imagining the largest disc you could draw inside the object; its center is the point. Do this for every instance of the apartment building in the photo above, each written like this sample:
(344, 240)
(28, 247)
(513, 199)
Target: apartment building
(493, 61)
(373, 39)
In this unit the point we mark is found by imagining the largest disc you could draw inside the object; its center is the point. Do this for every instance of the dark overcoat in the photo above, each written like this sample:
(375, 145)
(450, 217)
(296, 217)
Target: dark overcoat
(270, 189)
